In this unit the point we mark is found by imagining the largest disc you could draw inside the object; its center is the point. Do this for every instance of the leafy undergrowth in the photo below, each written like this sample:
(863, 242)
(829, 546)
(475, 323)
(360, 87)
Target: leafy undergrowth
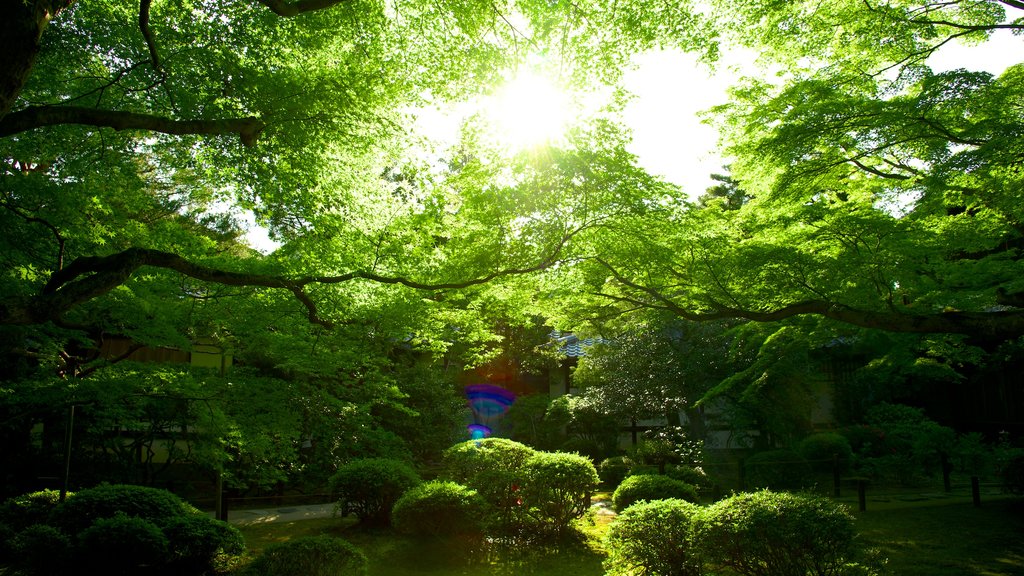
(928, 539)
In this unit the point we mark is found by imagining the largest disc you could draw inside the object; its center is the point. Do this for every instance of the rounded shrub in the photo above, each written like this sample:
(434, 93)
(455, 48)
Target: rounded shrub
(369, 487)
(495, 468)
(651, 487)
(776, 533)
(695, 477)
(440, 508)
(122, 544)
(40, 550)
(777, 470)
(23, 511)
(309, 556)
(655, 538)
(824, 449)
(614, 470)
(79, 512)
(195, 542)
(559, 486)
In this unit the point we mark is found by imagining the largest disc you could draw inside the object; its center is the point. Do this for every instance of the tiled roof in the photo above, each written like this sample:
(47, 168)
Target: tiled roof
(572, 346)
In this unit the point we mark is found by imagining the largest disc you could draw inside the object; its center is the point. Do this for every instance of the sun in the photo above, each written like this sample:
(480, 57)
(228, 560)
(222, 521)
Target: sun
(528, 111)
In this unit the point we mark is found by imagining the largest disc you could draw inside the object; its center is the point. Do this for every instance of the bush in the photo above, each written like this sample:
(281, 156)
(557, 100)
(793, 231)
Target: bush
(79, 512)
(122, 544)
(369, 487)
(614, 470)
(776, 533)
(440, 508)
(695, 477)
(655, 538)
(495, 468)
(40, 550)
(309, 556)
(651, 487)
(20, 512)
(196, 541)
(777, 470)
(559, 486)
(821, 450)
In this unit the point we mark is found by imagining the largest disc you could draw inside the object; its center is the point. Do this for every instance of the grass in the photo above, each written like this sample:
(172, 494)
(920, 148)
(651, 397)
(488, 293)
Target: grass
(928, 538)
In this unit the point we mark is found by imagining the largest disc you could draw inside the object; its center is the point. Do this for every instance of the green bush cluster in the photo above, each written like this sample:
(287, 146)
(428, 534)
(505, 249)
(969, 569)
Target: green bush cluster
(528, 493)
(750, 534)
(826, 449)
(440, 508)
(656, 537)
(651, 487)
(369, 487)
(309, 556)
(114, 529)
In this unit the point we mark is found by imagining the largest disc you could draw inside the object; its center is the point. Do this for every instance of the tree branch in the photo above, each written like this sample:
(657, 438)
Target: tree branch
(997, 324)
(147, 34)
(90, 277)
(248, 129)
(290, 9)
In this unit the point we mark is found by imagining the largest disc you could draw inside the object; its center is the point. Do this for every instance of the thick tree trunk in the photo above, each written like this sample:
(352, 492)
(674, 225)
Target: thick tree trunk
(21, 27)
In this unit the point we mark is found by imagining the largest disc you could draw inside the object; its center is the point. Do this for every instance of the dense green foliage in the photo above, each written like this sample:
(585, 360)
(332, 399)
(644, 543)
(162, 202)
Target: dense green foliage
(651, 487)
(777, 533)
(309, 556)
(120, 529)
(558, 488)
(655, 538)
(825, 450)
(440, 508)
(369, 487)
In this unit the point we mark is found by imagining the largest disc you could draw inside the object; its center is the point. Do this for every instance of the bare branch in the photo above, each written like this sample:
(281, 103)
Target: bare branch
(147, 34)
(248, 129)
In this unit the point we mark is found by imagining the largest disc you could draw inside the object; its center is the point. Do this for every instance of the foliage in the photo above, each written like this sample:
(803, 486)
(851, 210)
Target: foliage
(820, 449)
(558, 488)
(122, 544)
(194, 542)
(440, 508)
(651, 487)
(107, 500)
(369, 487)
(694, 476)
(20, 512)
(539, 421)
(309, 556)
(777, 470)
(913, 446)
(614, 470)
(656, 538)
(496, 469)
(41, 550)
(776, 533)
(669, 445)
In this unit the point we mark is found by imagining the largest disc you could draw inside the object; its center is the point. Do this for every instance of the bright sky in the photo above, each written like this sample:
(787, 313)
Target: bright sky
(672, 88)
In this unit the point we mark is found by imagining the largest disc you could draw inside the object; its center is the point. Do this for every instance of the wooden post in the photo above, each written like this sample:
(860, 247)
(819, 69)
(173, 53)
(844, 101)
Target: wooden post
(947, 468)
(219, 503)
(976, 491)
(67, 453)
(862, 497)
(835, 475)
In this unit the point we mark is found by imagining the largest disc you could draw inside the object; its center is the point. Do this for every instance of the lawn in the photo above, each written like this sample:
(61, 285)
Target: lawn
(920, 539)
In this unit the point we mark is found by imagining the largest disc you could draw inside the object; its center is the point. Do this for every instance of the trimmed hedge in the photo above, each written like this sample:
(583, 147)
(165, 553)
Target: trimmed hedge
(121, 544)
(651, 487)
(558, 487)
(23, 511)
(820, 450)
(655, 538)
(369, 487)
(104, 501)
(309, 556)
(777, 533)
(440, 508)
